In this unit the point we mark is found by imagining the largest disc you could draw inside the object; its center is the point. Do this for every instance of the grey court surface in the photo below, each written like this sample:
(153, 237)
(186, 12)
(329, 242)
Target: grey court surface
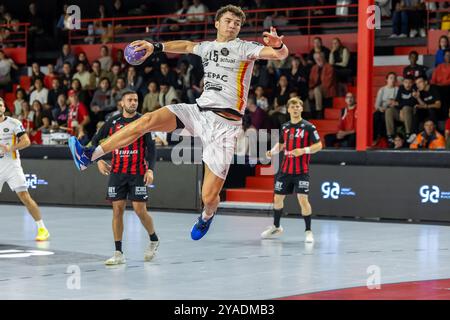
(231, 262)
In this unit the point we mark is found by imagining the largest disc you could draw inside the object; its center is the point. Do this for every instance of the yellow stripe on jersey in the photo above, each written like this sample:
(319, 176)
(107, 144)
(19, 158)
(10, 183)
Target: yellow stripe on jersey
(14, 155)
(240, 84)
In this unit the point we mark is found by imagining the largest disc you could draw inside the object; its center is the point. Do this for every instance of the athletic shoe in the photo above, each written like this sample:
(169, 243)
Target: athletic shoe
(150, 252)
(272, 232)
(42, 234)
(410, 139)
(81, 155)
(402, 36)
(200, 228)
(117, 258)
(413, 33)
(309, 238)
(393, 36)
(422, 33)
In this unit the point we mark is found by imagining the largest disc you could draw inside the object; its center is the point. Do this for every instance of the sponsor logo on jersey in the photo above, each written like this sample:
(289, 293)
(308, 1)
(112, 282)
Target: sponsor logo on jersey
(126, 152)
(140, 191)
(6, 130)
(225, 52)
(216, 76)
(213, 86)
(227, 60)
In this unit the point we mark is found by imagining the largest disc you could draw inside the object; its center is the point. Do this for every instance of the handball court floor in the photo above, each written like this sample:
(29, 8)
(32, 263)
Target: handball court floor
(231, 262)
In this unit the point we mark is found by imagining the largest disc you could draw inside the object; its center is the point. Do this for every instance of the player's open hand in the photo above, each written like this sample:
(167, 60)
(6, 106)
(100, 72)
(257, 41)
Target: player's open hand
(143, 45)
(104, 167)
(148, 178)
(272, 39)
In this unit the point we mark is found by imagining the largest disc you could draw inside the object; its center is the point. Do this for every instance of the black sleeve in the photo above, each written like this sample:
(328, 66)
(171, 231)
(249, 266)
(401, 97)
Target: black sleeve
(313, 135)
(281, 138)
(150, 154)
(436, 94)
(101, 134)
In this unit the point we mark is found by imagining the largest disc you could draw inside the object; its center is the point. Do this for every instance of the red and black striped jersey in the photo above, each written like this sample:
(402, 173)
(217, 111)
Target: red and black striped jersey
(135, 158)
(294, 136)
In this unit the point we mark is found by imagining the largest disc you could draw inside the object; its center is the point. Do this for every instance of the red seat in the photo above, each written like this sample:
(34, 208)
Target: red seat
(25, 82)
(326, 125)
(332, 114)
(339, 102)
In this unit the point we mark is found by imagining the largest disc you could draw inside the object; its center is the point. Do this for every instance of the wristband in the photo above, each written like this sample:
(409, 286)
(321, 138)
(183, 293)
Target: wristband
(308, 150)
(280, 47)
(158, 47)
(274, 150)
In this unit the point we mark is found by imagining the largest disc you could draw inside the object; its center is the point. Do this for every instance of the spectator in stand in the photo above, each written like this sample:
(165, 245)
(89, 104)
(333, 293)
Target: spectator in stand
(82, 58)
(277, 19)
(5, 71)
(61, 111)
(429, 139)
(65, 57)
(48, 78)
(417, 16)
(282, 93)
(166, 75)
(279, 66)
(120, 59)
(322, 83)
(385, 6)
(78, 117)
(42, 119)
(400, 20)
(261, 101)
(196, 15)
(76, 87)
(21, 96)
(444, 44)
(102, 102)
(172, 24)
(39, 93)
(54, 93)
(118, 90)
(401, 110)
(66, 76)
(151, 100)
(36, 27)
(447, 131)
(428, 102)
(346, 136)
(185, 81)
(298, 76)
(399, 142)
(116, 72)
(167, 93)
(260, 76)
(36, 74)
(118, 9)
(414, 70)
(26, 117)
(385, 99)
(105, 59)
(318, 47)
(82, 75)
(96, 75)
(441, 78)
(134, 81)
(258, 117)
(339, 59)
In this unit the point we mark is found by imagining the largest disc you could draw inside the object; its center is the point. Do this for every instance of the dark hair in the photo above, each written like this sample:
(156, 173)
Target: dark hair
(68, 64)
(127, 92)
(409, 78)
(446, 38)
(446, 50)
(414, 53)
(421, 77)
(105, 47)
(96, 61)
(389, 73)
(429, 119)
(237, 11)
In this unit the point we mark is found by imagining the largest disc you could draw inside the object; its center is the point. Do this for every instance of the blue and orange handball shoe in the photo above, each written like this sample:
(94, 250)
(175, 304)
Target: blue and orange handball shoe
(200, 228)
(81, 155)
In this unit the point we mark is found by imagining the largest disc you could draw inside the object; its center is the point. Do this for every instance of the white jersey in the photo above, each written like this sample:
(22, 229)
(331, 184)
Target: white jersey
(10, 130)
(228, 70)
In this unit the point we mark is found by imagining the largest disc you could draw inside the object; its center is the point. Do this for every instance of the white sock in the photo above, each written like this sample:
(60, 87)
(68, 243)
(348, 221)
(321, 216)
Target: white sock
(98, 152)
(40, 224)
(205, 217)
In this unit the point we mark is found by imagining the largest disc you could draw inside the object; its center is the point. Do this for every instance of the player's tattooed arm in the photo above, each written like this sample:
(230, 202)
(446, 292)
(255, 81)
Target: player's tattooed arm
(275, 49)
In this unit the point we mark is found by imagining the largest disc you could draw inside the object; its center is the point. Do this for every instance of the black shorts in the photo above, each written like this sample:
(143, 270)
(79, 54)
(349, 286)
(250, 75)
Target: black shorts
(123, 186)
(289, 183)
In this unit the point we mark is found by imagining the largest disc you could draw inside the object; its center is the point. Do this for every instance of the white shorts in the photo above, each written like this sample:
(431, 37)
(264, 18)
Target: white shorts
(218, 135)
(12, 174)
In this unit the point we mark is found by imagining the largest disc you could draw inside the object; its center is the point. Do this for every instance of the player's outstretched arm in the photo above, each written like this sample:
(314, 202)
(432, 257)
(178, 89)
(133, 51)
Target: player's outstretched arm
(275, 49)
(177, 46)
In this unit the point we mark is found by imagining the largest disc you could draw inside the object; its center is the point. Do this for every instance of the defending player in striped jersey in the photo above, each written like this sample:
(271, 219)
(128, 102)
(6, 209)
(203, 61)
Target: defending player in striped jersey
(13, 138)
(299, 139)
(216, 117)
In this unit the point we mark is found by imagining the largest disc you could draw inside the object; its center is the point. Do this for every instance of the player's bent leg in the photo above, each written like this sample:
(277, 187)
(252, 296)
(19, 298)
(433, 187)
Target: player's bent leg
(306, 213)
(140, 208)
(212, 185)
(275, 230)
(33, 209)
